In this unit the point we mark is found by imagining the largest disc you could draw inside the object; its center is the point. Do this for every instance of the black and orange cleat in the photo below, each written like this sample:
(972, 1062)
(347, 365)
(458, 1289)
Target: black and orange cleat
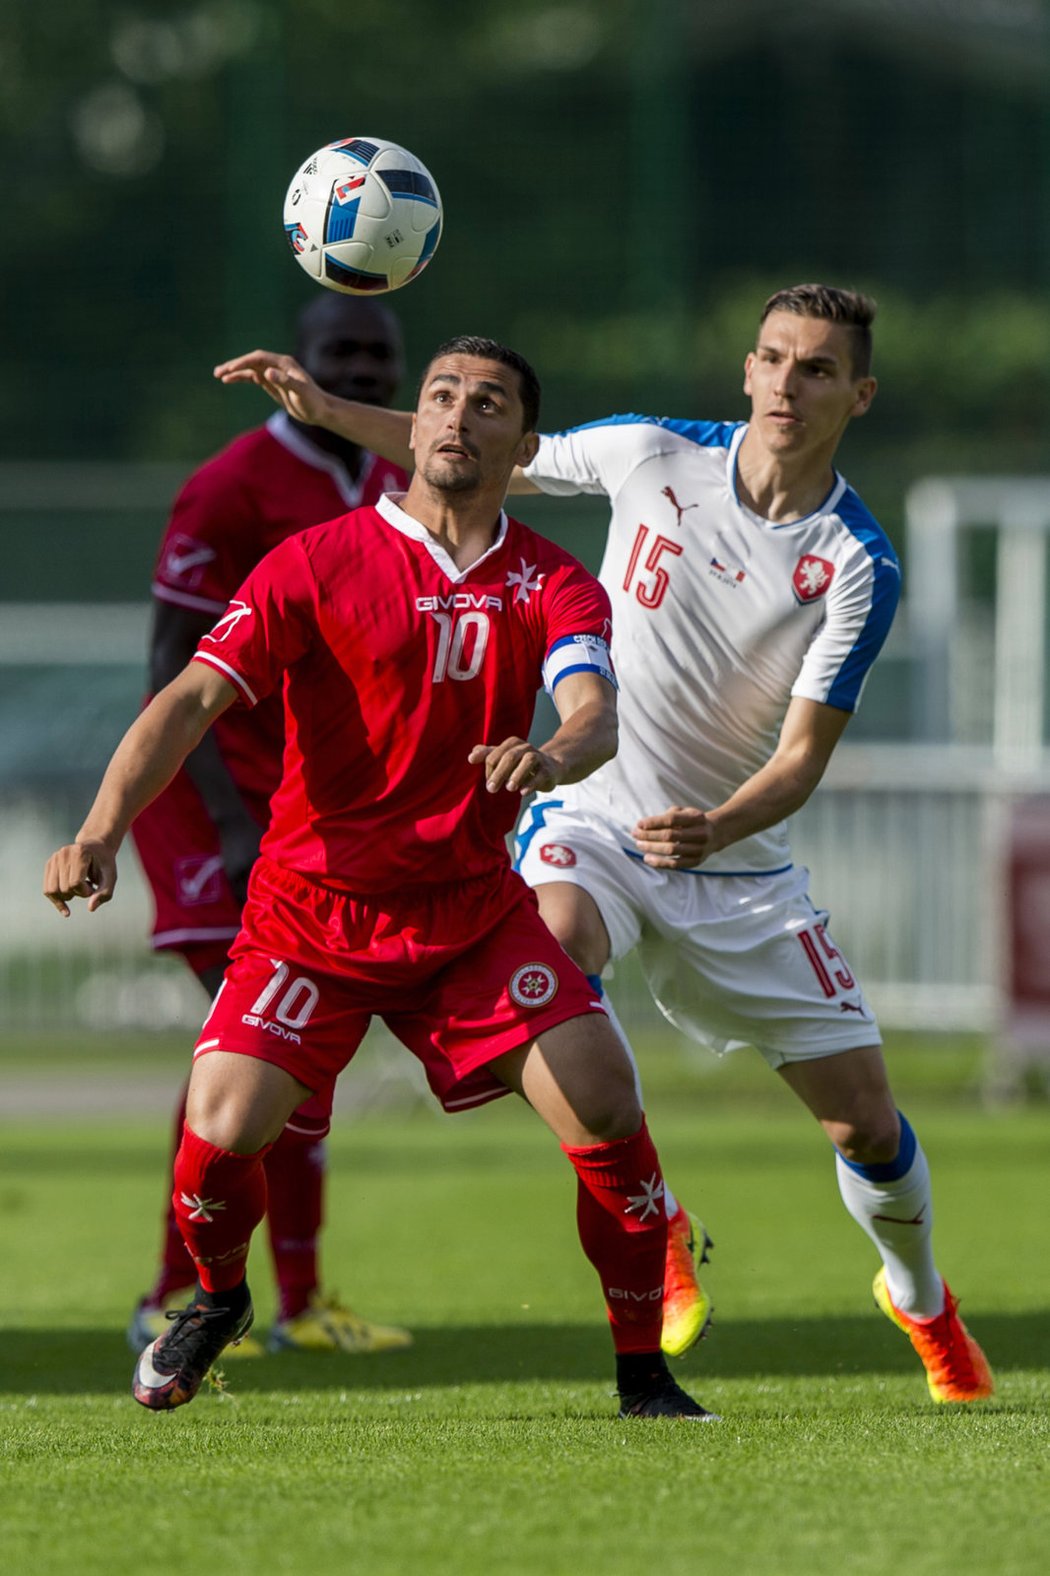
(172, 1368)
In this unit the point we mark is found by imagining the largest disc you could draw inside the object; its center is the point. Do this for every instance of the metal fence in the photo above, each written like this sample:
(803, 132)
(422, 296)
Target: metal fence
(905, 846)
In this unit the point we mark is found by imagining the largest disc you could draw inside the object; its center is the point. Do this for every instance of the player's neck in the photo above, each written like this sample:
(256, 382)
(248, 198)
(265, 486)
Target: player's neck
(465, 527)
(782, 487)
(350, 454)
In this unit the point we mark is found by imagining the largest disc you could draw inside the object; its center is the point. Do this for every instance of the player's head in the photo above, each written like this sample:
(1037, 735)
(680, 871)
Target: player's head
(809, 373)
(492, 350)
(351, 346)
(855, 312)
(475, 418)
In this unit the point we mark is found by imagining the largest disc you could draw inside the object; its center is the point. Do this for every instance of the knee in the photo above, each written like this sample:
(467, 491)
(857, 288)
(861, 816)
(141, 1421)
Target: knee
(612, 1109)
(225, 1119)
(872, 1139)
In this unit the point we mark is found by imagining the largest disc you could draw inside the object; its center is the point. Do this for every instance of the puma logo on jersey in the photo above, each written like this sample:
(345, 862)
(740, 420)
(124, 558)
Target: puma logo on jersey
(679, 508)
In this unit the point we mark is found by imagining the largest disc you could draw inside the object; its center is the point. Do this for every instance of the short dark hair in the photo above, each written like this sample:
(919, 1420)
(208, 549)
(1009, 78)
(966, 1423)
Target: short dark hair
(848, 307)
(492, 350)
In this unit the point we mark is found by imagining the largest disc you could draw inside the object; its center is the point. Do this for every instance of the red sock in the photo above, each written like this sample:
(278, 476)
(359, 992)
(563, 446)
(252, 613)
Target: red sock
(219, 1199)
(176, 1270)
(623, 1229)
(295, 1178)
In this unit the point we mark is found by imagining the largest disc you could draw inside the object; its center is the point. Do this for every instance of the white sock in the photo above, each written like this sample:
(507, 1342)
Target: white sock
(897, 1214)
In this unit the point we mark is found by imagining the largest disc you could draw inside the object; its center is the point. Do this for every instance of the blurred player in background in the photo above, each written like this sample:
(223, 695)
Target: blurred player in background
(751, 592)
(198, 840)
(408, 641)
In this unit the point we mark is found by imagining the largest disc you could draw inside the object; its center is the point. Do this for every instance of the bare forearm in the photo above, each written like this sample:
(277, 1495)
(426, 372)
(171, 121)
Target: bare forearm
(144, 762)
(682, 837)
(585, 740)
(778, 790)
(385, 432)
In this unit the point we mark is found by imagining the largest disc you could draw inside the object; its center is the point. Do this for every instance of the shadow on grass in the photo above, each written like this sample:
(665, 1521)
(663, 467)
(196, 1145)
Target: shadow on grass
(79, 1361)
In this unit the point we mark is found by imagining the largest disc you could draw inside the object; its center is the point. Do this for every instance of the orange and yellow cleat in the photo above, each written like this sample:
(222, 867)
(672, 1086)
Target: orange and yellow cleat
(687, 1307)
(956, 1368)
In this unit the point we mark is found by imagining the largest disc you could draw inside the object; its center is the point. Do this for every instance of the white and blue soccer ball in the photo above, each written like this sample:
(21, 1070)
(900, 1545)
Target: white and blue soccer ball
(362, 216)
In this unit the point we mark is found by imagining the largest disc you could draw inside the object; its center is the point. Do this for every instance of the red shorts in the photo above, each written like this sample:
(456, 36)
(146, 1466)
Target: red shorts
(460, 973)
(178, 847)
(196, 912)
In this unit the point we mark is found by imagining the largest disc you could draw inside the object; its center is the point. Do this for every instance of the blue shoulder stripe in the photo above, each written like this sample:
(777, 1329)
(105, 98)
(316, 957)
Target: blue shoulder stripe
(885, 594)
(705, 434)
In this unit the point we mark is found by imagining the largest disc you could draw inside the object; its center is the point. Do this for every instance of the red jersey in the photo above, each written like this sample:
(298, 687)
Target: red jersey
(394, 663)
(262, 488)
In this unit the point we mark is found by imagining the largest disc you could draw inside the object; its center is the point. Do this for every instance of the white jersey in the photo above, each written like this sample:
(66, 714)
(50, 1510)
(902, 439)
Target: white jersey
(719, 616)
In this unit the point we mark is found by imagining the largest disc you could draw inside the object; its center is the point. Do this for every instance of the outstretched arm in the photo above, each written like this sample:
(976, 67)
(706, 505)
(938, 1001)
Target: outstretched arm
(144, 762)
(681, 838)
(585, 740)
(385, 432)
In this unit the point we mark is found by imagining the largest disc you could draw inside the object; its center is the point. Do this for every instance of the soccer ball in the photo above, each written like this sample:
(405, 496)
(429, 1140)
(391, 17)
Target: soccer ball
(362, 216)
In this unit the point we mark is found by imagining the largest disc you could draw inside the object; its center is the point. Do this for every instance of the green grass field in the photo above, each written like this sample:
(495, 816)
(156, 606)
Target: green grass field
(492, 1445)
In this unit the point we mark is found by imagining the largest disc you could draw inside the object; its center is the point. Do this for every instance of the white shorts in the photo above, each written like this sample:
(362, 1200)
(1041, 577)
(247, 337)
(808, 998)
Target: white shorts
(731, 960)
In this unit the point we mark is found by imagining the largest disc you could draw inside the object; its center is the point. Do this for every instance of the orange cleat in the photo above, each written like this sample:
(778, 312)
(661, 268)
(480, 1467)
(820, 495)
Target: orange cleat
(956, 1368)
(687, 1307)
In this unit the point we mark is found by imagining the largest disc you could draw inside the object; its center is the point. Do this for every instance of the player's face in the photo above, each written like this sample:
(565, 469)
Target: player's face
(467, 430)
(353, 349)
(802, 386)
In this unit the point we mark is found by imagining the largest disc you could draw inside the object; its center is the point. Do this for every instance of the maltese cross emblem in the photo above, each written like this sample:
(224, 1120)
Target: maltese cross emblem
(649, 1201)
(524, 581)
(199, 1207)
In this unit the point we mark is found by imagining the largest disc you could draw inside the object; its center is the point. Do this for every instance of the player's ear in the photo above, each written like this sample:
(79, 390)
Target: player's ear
(412, 434)
(749, 361)
(866, 390)
(527, 449)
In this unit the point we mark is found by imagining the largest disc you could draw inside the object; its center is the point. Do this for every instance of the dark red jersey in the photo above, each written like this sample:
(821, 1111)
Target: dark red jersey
(393, 664)
(262, 488)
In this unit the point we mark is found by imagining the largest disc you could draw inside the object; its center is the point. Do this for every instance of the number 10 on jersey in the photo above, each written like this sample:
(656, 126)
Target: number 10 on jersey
(458, 635)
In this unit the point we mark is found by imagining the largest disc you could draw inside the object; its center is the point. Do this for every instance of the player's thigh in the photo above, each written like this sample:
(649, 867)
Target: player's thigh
(750, 961)
(849, 1094)
(584, 880)
(574, 918)
(578, 1078)
(240, 1103)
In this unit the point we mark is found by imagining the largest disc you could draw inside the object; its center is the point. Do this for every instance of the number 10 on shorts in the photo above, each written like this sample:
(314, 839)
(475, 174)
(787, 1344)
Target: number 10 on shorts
(296, 1004)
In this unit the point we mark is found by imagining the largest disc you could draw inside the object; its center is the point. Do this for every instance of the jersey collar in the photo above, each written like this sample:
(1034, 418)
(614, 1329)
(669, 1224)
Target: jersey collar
(838, 487)
(389, 507)
(281, 427)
